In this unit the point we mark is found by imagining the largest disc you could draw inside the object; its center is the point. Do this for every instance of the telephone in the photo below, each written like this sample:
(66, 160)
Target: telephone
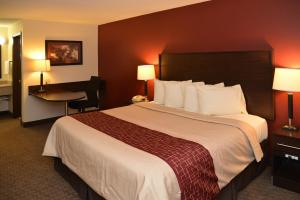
(138, 98)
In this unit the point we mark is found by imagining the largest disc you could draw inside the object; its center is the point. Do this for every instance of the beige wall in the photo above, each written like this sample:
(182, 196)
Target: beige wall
(8, 32)
(34, 35)
(4, 50)
(14, 29)
(4, 105)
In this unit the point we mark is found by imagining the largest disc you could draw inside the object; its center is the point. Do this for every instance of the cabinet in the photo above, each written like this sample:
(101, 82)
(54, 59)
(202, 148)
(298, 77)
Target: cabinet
(286, 159)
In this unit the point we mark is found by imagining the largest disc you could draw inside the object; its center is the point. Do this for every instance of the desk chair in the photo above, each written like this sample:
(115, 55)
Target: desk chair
(94, 91)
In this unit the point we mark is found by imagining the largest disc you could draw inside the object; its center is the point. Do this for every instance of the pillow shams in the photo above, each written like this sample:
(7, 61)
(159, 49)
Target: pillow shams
(242, 98)
(219, 101)
(174, 93)
(191, 95)
(216, 85)
(159, 89)
(190, 102)
(159, 93)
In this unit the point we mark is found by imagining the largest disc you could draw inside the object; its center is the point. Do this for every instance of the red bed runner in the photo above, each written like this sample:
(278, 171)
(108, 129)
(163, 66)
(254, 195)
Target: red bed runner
(190, 161)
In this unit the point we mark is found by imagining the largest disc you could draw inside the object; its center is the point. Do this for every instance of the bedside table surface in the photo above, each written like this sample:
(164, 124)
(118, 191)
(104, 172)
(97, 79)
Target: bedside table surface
(289, 134)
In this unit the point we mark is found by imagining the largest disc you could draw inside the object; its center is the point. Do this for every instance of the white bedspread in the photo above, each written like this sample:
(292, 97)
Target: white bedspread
(116, 170)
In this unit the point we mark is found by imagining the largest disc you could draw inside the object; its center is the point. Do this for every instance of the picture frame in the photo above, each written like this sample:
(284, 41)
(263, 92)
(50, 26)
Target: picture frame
(63, 52)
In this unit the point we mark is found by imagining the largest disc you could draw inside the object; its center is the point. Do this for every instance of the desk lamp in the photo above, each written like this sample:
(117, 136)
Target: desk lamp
(44, 66)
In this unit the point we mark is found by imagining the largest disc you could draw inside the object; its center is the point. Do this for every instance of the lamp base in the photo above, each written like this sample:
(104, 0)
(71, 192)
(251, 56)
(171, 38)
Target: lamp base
(290, 128)
(41, 90)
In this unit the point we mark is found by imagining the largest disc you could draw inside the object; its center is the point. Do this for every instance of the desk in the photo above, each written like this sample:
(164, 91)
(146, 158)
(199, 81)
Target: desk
(60, 96)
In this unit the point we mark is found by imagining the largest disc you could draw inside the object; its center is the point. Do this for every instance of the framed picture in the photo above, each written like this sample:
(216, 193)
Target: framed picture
(61, 52)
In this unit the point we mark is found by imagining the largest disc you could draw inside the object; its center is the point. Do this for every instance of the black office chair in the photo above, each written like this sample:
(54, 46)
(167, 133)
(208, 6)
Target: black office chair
(94, 92)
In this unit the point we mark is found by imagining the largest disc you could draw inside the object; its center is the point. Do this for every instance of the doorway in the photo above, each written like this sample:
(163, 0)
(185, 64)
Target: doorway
(16, 75)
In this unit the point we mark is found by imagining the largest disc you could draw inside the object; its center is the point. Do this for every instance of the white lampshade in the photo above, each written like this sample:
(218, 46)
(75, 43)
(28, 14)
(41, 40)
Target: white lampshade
(145, 72)
(42, 65)
(47, 66)
(287, 79)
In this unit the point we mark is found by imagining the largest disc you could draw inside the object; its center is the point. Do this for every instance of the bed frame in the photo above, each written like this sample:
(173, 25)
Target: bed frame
(227, 193)
(252, 69)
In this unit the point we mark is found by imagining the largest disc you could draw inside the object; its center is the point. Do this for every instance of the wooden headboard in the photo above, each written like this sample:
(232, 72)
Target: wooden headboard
(252, 69)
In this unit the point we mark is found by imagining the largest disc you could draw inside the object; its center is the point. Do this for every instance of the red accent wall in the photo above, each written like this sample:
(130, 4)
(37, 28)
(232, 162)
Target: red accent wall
(217, 25)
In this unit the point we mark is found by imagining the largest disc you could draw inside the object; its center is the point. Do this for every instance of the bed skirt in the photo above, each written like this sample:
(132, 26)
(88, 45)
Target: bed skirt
(229, 192)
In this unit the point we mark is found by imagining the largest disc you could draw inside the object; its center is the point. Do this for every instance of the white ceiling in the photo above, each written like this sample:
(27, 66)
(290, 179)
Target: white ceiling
(84, 11)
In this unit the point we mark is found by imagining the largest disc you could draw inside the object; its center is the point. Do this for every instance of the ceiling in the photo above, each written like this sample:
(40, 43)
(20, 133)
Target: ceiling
(83, 11)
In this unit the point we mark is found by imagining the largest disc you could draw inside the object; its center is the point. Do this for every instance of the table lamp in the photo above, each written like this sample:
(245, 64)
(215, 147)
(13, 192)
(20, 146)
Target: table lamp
(145, 73)
(287, 79)
(43, 66)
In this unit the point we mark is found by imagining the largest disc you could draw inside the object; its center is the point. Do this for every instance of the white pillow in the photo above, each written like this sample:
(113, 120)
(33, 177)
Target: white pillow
(191, 95)
(159, 91)
(242, 98)
(201, 83)
(216, 85)
(219, 101)
(174, 93)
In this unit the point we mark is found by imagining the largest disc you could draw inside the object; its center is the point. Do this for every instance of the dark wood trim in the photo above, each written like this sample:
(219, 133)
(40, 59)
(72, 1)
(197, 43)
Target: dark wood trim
(269, 52)
(16, 74)
(70, 86)
(285, 160)
(5, 113)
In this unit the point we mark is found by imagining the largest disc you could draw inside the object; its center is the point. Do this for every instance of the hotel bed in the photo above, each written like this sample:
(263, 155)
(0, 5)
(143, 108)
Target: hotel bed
(99, 165)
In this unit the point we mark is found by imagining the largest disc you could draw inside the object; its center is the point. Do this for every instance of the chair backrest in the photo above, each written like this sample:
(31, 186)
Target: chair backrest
(92, 91)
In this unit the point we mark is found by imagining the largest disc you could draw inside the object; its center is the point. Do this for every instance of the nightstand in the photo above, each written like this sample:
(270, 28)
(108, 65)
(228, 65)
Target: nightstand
(286, 159)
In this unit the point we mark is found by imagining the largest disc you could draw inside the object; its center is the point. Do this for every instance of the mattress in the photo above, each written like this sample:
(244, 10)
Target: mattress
(116, 170)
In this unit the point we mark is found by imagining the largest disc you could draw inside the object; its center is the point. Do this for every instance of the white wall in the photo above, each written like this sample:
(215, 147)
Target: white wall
(34, 35)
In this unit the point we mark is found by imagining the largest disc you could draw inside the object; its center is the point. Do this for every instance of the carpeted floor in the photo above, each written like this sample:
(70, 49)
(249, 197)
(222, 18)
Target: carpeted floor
(26, 175)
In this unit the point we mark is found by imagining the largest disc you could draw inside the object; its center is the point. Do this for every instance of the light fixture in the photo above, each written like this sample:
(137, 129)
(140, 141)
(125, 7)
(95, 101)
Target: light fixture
(2, 40)
(43, 66)
(145, 73)
(287, 79)
(7, 67)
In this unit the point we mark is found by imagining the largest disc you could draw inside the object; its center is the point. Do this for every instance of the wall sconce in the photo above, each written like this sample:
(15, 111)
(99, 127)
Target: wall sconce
(7, 66)
(2, 40)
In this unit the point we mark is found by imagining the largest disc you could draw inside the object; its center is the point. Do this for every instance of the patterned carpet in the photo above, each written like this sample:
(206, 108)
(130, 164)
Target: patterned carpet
(26, 175)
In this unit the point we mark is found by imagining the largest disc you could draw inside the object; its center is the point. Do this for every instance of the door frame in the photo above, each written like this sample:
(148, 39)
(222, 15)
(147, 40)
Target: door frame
(18, 102)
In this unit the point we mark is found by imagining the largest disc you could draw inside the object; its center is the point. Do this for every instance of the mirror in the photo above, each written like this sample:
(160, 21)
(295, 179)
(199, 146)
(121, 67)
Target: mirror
(0, 62)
